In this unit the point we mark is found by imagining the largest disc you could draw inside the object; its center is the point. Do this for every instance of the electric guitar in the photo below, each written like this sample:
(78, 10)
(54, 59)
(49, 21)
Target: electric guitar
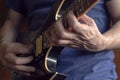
(45, 56)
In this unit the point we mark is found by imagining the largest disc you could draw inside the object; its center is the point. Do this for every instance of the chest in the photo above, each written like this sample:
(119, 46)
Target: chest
(33, 5)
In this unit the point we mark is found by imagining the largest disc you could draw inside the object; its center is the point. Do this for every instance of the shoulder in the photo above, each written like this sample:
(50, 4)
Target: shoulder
(17, 5)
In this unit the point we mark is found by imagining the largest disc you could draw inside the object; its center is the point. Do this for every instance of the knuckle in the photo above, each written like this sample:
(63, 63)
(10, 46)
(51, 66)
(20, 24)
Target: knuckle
(27, 50)
(91, 19)
(16, 61)
(15, 67)
(69, 14)
(63, 35)
(8, 48)
(6, 56)
(11, 45)
(55, 25)
(76, 26)
(59, 42)
(14, 49)
(55, 42)
(58, 22)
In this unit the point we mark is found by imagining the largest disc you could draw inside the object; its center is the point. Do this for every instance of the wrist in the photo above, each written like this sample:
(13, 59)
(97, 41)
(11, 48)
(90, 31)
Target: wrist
(107, 42)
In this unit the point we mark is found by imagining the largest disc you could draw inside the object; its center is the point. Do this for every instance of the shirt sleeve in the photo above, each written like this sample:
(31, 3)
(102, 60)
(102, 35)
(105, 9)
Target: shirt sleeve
(17, 5)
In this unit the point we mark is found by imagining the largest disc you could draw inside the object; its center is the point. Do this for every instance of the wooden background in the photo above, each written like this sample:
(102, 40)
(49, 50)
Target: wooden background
(117, 61)
(6, 74)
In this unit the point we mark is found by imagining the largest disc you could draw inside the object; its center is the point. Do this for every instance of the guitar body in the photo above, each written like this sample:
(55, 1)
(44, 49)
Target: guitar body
(45, 56)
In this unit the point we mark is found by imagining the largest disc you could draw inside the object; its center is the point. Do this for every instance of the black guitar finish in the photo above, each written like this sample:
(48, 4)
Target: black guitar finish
(46, 56)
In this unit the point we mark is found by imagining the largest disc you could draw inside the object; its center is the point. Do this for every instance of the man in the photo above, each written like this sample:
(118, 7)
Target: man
(87, 54)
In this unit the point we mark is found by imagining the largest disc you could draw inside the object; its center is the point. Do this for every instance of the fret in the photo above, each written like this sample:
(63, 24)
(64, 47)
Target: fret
(82, 7)
(79, 6)
(88, 2)
(84, 4)
(76, 9)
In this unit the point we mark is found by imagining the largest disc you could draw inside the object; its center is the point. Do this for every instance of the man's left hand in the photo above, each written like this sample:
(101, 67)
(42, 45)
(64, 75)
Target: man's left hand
(82, 33)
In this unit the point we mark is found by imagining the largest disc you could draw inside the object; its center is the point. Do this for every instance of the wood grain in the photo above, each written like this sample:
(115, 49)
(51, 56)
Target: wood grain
(117, 61)
(4, 73)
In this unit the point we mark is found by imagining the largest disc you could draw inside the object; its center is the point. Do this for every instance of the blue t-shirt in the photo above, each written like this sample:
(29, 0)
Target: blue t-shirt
(77, 64)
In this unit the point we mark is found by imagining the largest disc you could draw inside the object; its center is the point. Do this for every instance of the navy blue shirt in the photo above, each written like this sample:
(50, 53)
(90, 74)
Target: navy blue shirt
(77, 64)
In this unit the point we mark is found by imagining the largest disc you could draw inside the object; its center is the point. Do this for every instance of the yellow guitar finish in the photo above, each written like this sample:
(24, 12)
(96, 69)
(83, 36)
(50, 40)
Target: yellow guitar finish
(39, 45)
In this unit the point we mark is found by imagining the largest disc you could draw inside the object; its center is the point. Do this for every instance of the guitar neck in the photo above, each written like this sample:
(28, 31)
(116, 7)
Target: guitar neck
(80, 7)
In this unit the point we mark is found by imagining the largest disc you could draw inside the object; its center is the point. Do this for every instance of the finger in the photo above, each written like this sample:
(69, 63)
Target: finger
(11, 58)
(20, 48)
(51, 32)
(57, 38)
(66, 35)
(80, 47)
(86, 19)
(64, 42)
(58, 26)
(73, 22)
(59, 33)
(72, 44)
(52, 37)
(21, 68)
(24, 68)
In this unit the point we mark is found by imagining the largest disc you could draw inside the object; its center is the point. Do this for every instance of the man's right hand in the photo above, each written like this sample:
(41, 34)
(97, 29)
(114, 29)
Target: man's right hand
(9, 58)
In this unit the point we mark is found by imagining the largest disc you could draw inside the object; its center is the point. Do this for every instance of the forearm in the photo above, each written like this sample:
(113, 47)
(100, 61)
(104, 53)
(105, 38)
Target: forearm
(113, 36)
(9, 29)
(8, 33)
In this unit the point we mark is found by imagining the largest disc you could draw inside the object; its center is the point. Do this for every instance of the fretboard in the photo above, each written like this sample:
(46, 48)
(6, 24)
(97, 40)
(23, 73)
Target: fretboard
(80, 7)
